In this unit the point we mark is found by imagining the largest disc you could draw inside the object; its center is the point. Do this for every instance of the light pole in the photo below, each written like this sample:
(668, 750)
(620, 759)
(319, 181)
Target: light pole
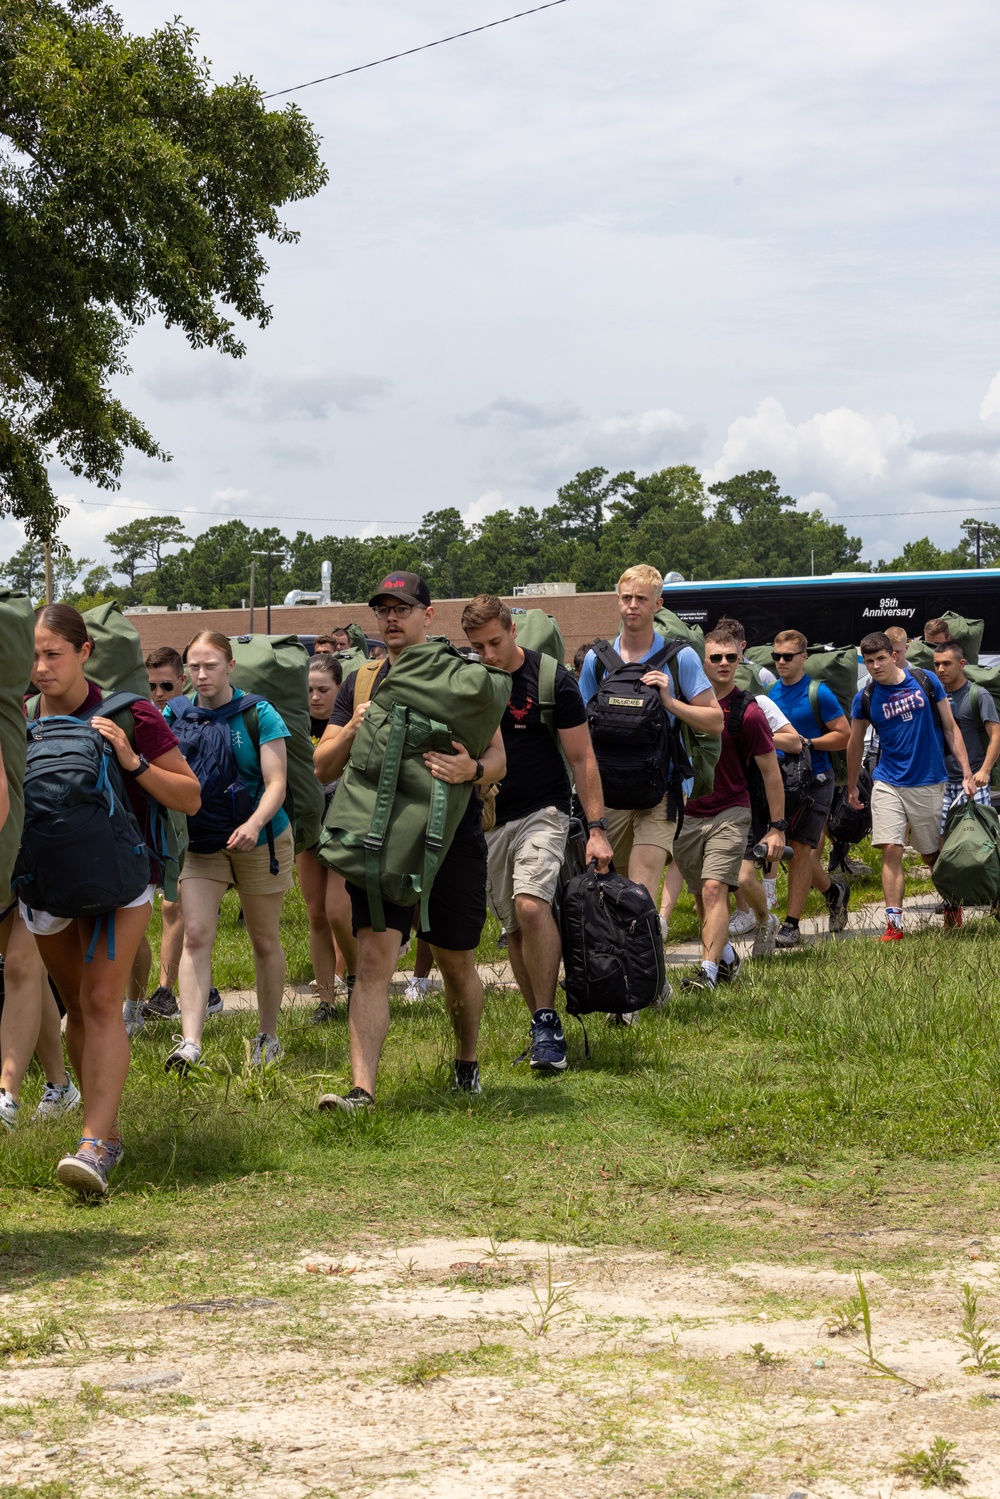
(269, 556)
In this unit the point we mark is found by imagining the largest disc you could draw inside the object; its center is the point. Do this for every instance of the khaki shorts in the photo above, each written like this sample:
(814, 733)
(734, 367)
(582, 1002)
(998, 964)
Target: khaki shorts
(525, 857)
(649, 826)
(896, 808)
(249, 872)
(713, 848)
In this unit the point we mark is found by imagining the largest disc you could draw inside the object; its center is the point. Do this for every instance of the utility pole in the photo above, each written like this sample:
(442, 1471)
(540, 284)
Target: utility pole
(269, 556)
(253, 576)
(49, 589)
(978, 548)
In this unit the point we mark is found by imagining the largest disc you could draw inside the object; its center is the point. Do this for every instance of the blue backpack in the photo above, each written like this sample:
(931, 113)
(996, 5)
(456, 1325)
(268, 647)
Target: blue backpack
(205, 740)
(82, 851)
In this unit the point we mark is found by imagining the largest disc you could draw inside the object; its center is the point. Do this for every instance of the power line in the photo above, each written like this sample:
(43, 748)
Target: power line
(426, 46)
(316, 520)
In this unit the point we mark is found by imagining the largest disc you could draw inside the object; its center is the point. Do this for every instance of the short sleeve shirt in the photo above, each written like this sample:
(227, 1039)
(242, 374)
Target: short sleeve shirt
(536, 775)
(271, 726)
(730, 787)
(908, 727)
(685, 669)
(794, 702)
(961, 706)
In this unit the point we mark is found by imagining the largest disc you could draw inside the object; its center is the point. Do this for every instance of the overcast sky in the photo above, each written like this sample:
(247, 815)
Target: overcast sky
(619, 232)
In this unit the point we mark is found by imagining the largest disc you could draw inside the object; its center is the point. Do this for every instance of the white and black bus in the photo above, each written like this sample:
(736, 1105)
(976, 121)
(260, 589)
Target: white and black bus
(841, 609)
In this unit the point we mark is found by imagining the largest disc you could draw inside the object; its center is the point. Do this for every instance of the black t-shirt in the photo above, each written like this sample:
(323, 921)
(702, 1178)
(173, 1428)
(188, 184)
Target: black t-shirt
(343, 712)
(536, 776)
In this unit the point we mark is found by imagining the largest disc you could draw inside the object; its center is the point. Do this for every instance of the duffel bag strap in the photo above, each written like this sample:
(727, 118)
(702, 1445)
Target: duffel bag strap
(379, 824)
(437, 813)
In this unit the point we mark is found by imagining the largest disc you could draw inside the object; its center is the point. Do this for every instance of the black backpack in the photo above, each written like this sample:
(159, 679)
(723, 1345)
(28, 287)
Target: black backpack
(635, 748)
(82, 851)
(612, 947)
(760, 811)
(849, 824)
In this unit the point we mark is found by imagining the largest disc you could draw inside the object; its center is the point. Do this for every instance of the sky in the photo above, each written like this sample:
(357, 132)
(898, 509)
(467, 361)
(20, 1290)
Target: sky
(616, 233)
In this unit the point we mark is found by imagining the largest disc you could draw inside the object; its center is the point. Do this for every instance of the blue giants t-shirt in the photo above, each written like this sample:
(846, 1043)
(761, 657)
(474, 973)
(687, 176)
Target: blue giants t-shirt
(909, 732)
(794, 704)
(684, 667)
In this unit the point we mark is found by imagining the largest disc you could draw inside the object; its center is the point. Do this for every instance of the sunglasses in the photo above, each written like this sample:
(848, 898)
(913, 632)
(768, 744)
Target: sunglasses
(731, 656)
(163, 686)
(786, 655)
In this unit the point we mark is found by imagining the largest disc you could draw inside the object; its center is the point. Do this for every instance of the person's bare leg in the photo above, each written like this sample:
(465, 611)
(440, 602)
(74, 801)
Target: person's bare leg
(893, 879)
(262, 915)
(715, 922)
(805, 872)
(138, 979)
(645, 867)
(49, 1050)
(368, 1015)
(202, 899)
(521, 970)
(312, 883)
(338, 914)
(752, 892)
(25, 986)
(673, 884)
(424, 960)
(171, 942)
(463, 998)
(535, 952)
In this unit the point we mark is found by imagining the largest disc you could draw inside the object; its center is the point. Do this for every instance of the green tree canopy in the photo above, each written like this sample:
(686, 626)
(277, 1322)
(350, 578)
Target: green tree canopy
(25, 570)
(142, 541)
(129, 187)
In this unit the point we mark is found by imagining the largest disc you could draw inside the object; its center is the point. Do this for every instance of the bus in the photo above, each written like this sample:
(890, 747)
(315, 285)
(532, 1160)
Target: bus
(842, 608)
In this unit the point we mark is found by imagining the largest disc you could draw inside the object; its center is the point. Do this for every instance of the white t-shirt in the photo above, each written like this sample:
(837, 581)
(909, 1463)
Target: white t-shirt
(772, 713)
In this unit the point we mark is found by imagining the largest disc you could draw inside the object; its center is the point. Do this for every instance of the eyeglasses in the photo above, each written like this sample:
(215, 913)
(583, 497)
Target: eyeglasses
(163, 686)
(731, 656)
(401, 611)
(786, 655)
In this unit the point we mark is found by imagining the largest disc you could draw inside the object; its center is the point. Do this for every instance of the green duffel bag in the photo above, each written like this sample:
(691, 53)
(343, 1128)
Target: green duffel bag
(839, 670)
(538, 631)
(760, 655)
(390, 823)
(277, 667)
(349, 661)
(748, 679)
(967, 870)
(671, 627)
(984, 679)
(117, 663)
(358, 639)
(17, 631)
(968, 633)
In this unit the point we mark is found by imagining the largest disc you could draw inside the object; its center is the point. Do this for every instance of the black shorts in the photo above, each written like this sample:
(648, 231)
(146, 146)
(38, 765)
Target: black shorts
(457, 907)
(809, 829)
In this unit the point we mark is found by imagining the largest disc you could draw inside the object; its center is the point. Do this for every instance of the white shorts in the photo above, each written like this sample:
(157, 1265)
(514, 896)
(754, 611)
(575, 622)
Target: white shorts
(41, 924)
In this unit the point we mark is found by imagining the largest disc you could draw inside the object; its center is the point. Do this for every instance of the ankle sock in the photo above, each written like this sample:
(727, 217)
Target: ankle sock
(712, 969)
(894, 916)
(729, 953)
(792, 921)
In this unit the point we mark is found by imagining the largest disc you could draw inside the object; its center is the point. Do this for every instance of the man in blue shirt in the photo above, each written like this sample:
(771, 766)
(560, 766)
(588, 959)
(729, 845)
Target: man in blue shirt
(910, 712)
(823, 729)
(642, 838)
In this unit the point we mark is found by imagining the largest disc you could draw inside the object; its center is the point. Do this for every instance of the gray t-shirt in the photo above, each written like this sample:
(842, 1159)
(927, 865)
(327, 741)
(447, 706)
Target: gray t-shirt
(962, 709)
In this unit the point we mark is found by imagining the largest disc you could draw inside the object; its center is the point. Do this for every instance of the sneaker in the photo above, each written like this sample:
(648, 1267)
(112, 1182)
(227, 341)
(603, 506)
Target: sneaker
(941, 908)
(666, 993)
(837, 900)
(729, 972)
(742, 923)
(8, 1110)
(787, 936)
(664, 928)
(86, 1170)
(857, 868)
(266, 1049)
(355, 1102)
(546, 1050)
(697, 978)
(764, 938)
(324, 1011)
(113, 1152)
(466, 1079)
(161, 1005)
(892, 933)
(215, 1005)
(416, 990)
(133, 1017)
(953, 916)
(55, 1101)
(185, 1055)
(622, 1017)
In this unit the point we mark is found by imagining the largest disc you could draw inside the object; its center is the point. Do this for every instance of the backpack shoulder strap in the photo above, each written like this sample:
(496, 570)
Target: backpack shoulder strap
(740, 704)
(925, 684)
(607, 657)
(814, 704)
(547, 694)
(867, 693)
(364, 682)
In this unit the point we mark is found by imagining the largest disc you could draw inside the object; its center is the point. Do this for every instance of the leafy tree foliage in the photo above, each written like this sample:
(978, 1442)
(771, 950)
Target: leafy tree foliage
(25, 570)
(129, 187)
(142, 541)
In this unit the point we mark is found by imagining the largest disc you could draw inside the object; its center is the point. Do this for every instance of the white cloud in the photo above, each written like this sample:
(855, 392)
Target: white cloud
(486, 505)
(379, 528)
(989, 411)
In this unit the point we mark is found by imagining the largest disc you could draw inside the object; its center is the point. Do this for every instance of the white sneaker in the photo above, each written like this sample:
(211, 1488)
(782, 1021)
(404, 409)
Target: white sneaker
(8, 1110)
(741, 923)
(55, 1101)
(763, 938)
(185, 1055)
(416, 990)
(664, 929)
(265, 1049)
(133, 1017)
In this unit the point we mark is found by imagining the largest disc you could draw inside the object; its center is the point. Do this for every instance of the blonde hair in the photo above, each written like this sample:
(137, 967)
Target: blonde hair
(792, 637)
(643, 575)
(213, 638)
(898, 636)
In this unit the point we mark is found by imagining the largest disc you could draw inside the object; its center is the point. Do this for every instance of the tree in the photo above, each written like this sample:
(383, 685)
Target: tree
(982, 536)
(142, 541)
(923, 557)
(129, 187)
(25, 570)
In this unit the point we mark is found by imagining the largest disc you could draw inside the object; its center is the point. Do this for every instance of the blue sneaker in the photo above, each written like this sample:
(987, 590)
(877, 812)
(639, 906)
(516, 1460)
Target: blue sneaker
(547, 1048)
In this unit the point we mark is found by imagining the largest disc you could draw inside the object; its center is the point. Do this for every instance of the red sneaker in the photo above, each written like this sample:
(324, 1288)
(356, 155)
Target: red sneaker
(892, 934)
(953, 916)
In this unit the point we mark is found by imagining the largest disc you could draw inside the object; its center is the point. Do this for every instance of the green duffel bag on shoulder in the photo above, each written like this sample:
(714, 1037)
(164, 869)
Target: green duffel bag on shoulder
(17, 631)
(672, 627)
(358, 639)
(968, 633)
(967, 870)
(276, 667)
(984, 679)
(748, 679)
(839, 670)
(349, 661)
(117, 663)
(390, 823)
(538, 631)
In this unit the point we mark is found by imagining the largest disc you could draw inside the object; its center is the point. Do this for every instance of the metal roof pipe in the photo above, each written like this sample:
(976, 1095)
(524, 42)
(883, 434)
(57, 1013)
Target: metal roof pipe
(300, 596)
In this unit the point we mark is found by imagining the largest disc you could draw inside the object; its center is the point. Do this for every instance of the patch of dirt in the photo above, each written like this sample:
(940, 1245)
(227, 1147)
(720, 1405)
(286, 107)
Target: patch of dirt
(460, 1368)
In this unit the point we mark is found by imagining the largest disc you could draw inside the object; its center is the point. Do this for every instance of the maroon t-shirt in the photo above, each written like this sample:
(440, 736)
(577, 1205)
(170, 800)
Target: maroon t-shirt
(730, 786)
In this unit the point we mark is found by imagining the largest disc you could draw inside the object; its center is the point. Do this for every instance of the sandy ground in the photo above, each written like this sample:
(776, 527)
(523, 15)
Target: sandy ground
(431, 1368)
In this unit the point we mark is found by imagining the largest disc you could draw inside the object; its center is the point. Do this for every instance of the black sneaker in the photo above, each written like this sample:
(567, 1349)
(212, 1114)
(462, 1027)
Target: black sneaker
(788, 936)
(728, 972)
(161, 1005)
(546, 1051)
(837, 899)
(698, 978)
(355, 1102)
(465, 1078)
(324, 1011)
(215, 1005)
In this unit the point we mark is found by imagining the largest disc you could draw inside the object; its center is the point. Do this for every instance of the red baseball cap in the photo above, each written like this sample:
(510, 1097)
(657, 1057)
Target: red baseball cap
(406, 588)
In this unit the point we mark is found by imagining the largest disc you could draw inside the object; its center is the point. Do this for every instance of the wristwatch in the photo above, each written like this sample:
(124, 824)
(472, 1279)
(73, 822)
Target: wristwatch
(139, 769)
(779, 827)
(599, 822)
(480, 771)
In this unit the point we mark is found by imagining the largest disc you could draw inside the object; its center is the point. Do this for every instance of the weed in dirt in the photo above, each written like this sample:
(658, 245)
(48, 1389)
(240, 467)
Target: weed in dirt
(765, 1357)
(876, 1366)
(933, 1467)
(844, 1320)
(54, 1489)
(494, 1358)
(982, 1355)
(47, 1336)
(556, 1302)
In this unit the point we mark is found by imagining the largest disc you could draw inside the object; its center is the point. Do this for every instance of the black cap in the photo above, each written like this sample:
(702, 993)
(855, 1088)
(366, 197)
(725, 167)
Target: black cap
(408, 588)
